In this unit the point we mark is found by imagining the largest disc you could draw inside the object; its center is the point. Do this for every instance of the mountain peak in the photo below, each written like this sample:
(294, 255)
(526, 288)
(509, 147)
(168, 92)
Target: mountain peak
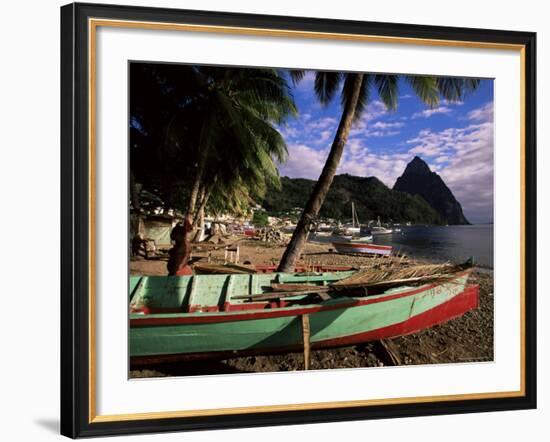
(418, 179)
(418, 166)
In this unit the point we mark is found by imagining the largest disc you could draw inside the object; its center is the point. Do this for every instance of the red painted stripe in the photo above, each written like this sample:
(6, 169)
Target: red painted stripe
(362, 246)
(147, 321)
(457, 306)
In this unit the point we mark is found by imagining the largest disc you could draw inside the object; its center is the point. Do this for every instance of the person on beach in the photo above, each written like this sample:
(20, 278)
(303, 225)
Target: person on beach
(180, 253)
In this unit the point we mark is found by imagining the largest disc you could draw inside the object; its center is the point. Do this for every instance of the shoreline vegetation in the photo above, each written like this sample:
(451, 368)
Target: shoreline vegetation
(465, 339)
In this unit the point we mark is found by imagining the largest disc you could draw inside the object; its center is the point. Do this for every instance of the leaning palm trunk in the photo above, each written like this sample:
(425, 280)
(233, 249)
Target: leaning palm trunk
(317, 198)
(181, 251)
(203, 151)
(199, 225)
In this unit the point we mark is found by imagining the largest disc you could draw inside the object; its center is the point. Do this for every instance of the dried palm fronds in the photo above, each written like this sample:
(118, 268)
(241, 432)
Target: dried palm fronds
(391, 275)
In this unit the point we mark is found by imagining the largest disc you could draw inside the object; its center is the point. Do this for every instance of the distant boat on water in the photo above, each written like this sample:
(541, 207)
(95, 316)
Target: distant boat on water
(350, 229)
(380, 230)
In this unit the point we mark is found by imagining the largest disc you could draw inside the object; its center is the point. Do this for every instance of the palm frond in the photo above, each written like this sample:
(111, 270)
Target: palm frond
(388, 89)
(326, 85)
(296, 75)
(455, 89)
(425, 88)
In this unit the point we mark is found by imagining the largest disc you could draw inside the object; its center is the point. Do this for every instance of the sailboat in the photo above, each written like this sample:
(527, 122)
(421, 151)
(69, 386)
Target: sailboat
(353, 228)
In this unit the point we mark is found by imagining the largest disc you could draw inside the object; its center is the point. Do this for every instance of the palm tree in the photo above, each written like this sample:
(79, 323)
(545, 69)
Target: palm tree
(354, 96)
(236, 142)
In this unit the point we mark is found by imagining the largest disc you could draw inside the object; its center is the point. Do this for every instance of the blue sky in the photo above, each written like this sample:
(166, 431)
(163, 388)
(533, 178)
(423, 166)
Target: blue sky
(455, 139)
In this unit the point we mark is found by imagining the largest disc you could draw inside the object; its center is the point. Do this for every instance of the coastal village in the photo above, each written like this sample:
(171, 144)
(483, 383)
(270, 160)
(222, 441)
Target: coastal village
(310, 269)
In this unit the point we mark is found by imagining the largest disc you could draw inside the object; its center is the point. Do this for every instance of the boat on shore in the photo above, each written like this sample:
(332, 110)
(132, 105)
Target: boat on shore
(223, 316)
(361, 247)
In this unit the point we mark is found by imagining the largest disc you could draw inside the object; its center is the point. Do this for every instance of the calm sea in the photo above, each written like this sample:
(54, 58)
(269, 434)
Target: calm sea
(440, 243)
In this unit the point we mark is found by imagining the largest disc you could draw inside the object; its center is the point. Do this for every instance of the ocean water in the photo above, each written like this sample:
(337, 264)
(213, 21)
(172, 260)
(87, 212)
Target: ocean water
(440, 243)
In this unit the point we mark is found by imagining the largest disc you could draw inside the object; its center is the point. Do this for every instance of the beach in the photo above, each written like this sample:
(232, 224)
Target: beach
(466, 339)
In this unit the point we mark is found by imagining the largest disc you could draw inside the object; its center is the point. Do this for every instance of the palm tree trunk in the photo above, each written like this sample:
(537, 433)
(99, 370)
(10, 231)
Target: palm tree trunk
(201, 163)
(317, 197)
(180, 254)
(199, 217)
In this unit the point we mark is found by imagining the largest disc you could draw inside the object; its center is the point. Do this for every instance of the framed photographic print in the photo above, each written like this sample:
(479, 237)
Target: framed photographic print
(276, 220)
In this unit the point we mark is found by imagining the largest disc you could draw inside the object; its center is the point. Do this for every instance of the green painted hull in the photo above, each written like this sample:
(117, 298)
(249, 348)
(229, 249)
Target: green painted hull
(340, 321)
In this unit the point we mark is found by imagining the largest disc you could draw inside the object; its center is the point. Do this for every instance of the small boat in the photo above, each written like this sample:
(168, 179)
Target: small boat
(380, 230)
(359, 239)
(361, 247)
(222, 316)
(349, 229)
(322, 233)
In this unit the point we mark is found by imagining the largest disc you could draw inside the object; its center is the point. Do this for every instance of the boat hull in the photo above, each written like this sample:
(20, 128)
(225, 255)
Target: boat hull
(338, 322)
(364, 248)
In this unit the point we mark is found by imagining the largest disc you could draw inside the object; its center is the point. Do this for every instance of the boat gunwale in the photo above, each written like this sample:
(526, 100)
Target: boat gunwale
(168, 319)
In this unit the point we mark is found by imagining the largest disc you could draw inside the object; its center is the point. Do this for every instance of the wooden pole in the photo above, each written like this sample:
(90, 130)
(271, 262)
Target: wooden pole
(306, 336)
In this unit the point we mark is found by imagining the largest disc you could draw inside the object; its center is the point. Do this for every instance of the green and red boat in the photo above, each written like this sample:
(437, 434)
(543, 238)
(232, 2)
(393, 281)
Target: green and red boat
(223, 316)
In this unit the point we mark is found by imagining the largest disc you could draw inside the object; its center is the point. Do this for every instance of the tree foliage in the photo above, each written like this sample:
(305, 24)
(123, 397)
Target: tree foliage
(207, 129)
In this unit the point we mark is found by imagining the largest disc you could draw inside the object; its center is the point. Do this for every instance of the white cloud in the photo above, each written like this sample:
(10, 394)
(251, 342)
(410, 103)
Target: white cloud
(484, 113)
(321, 123)
(442, 159)
(452, 103)
(303, 162)
(387, 125)
(427, 113)
(428, 150)
(307, 162)
(367, 126)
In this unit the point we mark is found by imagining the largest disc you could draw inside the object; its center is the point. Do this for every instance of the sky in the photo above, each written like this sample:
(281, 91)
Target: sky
(455, 139)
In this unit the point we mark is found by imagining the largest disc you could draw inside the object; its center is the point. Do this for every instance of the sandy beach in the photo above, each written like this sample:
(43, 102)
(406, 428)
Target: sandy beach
(465, 339)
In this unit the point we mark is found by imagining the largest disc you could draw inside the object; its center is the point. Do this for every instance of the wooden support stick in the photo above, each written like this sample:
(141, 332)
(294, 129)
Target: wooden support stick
(306, 336)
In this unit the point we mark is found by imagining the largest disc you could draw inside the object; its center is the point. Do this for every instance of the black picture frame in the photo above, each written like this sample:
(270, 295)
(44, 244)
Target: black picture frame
(76, 419)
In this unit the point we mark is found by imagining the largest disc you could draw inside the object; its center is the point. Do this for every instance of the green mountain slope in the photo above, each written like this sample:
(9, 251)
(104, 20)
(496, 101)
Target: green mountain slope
(372, 198)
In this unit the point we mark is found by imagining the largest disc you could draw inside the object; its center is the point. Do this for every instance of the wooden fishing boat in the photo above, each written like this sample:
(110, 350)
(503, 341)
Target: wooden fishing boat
(361, 247)
(223, 316)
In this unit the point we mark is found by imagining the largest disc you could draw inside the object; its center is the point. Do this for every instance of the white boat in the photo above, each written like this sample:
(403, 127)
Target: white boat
(358, 239)
(361, 247)
(350, 229)
(322, 233)
(323, 229)
(380, 230)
